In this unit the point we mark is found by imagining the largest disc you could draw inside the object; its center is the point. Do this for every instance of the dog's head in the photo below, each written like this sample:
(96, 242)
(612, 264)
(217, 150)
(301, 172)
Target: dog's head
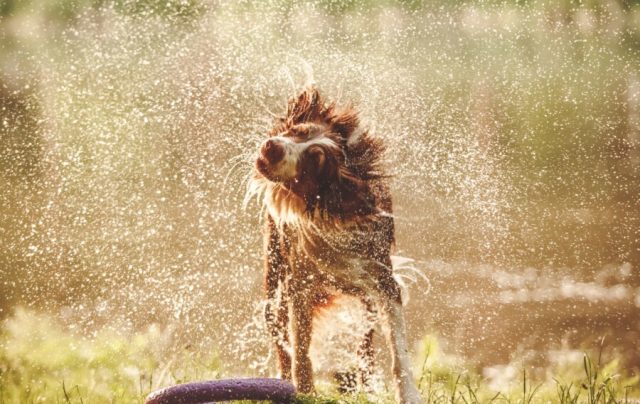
(316, 159)
(301, 158)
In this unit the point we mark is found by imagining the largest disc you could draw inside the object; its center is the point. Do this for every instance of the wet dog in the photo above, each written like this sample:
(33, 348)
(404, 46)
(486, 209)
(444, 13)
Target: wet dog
(328, 231)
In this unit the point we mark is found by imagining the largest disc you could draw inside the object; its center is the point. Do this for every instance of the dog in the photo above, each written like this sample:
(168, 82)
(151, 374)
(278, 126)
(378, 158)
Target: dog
(328, 231)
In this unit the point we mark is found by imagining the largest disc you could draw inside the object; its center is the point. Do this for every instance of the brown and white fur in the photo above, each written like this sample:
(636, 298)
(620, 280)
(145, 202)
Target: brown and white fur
(329, 231)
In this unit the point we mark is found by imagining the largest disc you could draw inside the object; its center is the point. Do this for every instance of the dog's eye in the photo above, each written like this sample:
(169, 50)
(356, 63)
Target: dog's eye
(297, 135)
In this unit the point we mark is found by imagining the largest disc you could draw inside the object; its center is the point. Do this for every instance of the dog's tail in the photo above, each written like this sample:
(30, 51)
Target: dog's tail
(407, 274)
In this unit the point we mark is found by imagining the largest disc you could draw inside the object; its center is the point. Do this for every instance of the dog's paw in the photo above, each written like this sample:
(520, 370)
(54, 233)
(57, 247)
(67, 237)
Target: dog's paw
(409, 395)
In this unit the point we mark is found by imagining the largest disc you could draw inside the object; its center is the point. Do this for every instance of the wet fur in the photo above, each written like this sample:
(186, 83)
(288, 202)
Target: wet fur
(329, 231)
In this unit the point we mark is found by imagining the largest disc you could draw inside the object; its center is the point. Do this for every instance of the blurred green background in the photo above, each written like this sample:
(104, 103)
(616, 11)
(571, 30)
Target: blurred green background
(127, 130)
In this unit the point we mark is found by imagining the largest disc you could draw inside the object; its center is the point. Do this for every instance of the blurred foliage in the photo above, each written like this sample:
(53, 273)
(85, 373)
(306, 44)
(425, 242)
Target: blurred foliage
(68, 10)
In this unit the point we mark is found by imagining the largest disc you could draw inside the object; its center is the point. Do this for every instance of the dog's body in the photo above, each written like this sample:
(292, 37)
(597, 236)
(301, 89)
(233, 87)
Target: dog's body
(329, 231)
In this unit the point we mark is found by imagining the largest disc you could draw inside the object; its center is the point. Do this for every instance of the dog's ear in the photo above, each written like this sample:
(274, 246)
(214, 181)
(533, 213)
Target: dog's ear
(365, 155)
(318, 159)
(306, 107)
(343, 121)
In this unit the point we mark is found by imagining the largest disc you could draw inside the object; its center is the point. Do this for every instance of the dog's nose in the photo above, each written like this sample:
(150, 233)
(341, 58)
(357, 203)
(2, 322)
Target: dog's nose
(272, 151)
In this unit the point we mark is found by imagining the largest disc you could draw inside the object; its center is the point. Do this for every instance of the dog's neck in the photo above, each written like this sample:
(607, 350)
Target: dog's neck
(337, 207)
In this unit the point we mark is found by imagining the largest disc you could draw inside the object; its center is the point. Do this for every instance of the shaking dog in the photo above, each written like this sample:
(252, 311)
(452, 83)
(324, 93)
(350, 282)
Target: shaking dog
(329, 231)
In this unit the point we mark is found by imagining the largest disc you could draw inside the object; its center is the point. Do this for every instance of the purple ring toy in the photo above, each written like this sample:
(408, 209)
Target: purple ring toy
(276, 390)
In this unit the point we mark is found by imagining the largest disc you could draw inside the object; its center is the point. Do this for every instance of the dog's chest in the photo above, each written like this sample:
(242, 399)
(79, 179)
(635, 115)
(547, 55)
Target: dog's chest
(337, 259)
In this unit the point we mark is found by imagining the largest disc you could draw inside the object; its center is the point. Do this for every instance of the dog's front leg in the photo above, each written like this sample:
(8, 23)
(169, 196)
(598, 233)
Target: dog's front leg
(276, 274)
(365, 350)
(301, 323)
(394, 330)
(278, 323)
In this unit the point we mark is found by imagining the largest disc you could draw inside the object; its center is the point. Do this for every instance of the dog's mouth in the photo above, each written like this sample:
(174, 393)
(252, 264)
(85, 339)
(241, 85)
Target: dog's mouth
(264, 167)
(269, 170)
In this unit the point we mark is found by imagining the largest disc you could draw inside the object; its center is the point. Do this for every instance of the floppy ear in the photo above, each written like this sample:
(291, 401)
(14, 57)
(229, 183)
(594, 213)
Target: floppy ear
(344, 121)
(318, 158)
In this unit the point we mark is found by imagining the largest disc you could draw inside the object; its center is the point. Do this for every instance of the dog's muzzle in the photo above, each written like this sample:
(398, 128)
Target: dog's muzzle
(272, 151)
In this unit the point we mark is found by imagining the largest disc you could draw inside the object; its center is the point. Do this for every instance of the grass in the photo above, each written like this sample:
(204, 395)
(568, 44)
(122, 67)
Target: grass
(41, 361)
